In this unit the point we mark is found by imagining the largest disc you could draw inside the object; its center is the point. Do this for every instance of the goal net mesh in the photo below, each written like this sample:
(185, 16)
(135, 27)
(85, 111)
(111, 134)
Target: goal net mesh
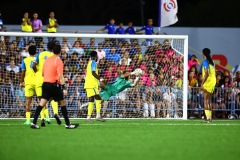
(159, 93)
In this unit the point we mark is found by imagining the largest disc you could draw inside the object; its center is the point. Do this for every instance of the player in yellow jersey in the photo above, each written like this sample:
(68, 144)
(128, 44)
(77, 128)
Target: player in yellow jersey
(28, 80)
(91, 86)
(208, 82)
(38, 68)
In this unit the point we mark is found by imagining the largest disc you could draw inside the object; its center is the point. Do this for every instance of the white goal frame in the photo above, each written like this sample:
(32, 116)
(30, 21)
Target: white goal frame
(173, 37)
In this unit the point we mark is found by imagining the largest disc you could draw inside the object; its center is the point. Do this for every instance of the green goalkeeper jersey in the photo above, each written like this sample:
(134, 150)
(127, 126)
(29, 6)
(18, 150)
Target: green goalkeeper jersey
(112, 89)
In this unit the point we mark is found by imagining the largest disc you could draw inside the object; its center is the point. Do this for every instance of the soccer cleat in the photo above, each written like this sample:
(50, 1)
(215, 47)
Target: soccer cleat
(43, 123)
(88, 120)
(48, 120)
(101, 119)
(28, 122)
(34, 126)
(71, 126)
(56, 116)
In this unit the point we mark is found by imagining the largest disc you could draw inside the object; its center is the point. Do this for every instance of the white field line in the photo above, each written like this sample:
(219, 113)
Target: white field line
(141, 124)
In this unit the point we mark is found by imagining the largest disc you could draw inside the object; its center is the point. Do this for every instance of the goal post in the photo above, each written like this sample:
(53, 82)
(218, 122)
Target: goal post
(156, 55)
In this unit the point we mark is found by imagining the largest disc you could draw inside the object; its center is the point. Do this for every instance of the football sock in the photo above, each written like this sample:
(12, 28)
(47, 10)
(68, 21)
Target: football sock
(65, 115)
(46, 113)
(90, 108)
(28, 116)
(42, 113)
(54, 107)
(210, 114)
(37, 113)
(207, 114)
(98, 108)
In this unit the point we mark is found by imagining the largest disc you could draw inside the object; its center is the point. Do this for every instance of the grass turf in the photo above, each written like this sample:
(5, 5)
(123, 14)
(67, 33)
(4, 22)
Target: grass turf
(121, 139)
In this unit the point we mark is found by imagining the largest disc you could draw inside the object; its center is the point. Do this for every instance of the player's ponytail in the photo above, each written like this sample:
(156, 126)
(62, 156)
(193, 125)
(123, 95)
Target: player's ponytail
(207, 53)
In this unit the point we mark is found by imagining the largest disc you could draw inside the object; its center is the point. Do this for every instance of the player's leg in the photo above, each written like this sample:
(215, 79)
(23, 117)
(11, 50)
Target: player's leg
(206, 95)
(152, 110)
(57, 96)
(46, 95)
(98, 106)
(55, 111)
(90, 95)
(145, 110)
(28, 110)
(29, 93)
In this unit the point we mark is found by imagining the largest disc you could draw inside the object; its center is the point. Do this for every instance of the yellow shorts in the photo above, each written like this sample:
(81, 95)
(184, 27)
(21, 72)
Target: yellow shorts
(30, 90)
(209, 87)
(39, 90)
(92, 92)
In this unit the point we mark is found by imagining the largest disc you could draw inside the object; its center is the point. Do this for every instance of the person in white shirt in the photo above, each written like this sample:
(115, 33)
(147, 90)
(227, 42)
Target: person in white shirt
(170, 103)
(12, 67)
(126, 58)
(100, 52)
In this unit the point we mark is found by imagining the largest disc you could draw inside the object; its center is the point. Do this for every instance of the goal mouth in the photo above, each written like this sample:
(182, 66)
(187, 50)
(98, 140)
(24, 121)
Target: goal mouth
(160, 93)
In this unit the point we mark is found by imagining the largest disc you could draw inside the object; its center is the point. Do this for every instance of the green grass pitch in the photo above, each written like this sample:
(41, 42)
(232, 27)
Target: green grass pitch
(122, 139)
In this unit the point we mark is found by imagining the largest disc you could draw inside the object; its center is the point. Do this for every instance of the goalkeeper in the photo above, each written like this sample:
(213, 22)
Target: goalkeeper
(121, 83)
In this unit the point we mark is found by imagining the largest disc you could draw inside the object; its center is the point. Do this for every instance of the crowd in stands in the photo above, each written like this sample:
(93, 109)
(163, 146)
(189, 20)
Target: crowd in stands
(225, 99)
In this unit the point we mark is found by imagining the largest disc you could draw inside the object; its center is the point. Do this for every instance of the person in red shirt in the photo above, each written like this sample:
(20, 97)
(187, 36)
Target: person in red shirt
(53, 87)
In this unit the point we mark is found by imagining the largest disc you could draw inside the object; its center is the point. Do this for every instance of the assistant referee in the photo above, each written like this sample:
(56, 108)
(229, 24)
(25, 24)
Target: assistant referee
(53, 87)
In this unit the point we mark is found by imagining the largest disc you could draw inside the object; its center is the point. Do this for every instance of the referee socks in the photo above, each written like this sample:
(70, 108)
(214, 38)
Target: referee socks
(37, 113)
(65, 114)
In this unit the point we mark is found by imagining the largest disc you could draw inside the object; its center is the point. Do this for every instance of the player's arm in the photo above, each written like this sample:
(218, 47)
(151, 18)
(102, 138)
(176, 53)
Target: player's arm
(56, 24)
(35, 62)
(135, 82)
(23, 66)
(102, 29)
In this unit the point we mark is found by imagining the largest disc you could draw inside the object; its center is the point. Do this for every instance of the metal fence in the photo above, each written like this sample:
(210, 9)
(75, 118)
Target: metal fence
(138, 102)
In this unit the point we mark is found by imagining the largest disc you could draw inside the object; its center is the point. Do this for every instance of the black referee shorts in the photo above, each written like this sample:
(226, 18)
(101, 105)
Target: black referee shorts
(52, 90)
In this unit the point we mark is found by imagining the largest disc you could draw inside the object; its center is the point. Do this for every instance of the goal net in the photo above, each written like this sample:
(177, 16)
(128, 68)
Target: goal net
(161, 91)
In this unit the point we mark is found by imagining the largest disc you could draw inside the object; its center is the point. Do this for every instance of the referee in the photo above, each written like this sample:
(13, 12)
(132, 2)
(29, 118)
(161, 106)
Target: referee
(53, 87)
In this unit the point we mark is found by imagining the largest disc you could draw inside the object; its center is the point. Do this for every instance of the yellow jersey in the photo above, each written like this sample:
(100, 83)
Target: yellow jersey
(90, 80)
(52, 23)
(26, 27)
(29, 73)
(40, 59)
(211, 80)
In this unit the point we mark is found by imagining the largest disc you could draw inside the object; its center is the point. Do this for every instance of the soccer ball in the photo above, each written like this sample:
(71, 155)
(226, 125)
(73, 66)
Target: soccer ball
(138, 72)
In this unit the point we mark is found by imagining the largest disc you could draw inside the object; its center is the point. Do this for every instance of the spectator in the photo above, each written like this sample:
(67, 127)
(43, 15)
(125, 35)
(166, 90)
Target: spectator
(120, 30)
(148, 31)
(100, 52)
(110, 27)
(113, 55)
(2, 28)
(20, 42)
(37, 27)
(12, 67)
(52, 25)
(130, 29)
(126, 59)
(20, 97)
(65, 41)
(111, 30)
(77, 49)
(158, 100)
(148, 103)
(193, 61)
(26, 27)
